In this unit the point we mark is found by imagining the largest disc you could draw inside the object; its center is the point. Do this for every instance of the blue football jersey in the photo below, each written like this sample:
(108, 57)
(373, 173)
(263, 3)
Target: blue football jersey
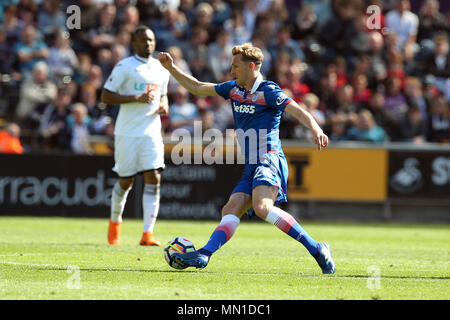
(257, 114)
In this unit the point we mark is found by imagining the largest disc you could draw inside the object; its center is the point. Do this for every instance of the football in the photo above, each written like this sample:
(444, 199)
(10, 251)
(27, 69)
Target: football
(180, 245)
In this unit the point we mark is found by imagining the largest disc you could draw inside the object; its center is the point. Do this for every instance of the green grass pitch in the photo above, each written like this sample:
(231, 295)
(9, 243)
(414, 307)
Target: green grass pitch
(67, 258)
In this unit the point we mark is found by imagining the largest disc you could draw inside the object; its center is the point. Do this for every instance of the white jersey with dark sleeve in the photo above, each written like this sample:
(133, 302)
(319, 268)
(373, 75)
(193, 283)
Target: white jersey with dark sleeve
(132, 76)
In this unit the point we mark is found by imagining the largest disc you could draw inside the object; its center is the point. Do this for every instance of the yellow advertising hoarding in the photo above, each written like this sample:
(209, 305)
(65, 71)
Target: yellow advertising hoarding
(337, 174)
(333, 174)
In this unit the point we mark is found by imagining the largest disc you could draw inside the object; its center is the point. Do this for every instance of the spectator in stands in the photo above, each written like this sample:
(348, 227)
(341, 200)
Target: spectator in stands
(75, 137)
(260, 40)
(121, 7)
(95, 110)
(177, 56)
(123, 38)
(148, 11)
(235, 25)
(88, 21)
(382, 117)
(279, 9)
(356, 38)
(52, 121)
(62, 59)
(187, 7)
(403, 23)
(220, 54)
(362, 66)
(103, 35)
(412, 127)
(366, 129)
(84, 65)
(13, 26)
(95, 77)
(322, 9)
(104, 61)
(439, 121)
(344, 101)
(377, 62)
(223, 116)
(34, 91)
(10, 139)
(362, 93)
(222, 12)
(335, 31)
(6, 54)
(172, 29)
(207, 119)
(280, 68)
(182, 112)
(338, 127)
(27, 11)
(311, 102)
(293, 80)
(431, 21)
(50, 18)
(267, 26)
(306, 25)
(204, 13)
(196, 53)
(326, 89)
(131, 19)
(284, 43)
(395, 101)
(30, 50)
(118, 52)
(438, 64)
(414, 95)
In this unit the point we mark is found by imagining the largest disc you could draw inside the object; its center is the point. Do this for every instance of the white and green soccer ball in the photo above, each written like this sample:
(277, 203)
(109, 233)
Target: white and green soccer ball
(177, 245)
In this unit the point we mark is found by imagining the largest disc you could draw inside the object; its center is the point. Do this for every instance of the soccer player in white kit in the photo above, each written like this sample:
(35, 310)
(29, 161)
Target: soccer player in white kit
(139, 84)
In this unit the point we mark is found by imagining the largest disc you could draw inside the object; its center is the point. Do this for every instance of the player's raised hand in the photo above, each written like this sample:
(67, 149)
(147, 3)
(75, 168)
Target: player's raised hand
(165, 59)
(321, 139)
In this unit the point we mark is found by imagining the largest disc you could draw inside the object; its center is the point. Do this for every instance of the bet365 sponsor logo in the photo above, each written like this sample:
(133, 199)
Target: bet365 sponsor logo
(243, 108)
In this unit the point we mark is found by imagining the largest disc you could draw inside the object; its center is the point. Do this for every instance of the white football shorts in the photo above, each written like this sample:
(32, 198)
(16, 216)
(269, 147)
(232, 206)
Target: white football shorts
(137, 154)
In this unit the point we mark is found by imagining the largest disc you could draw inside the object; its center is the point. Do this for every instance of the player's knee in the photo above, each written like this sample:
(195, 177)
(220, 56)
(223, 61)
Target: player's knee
(152, 177)
(262, 208)
(232, 207)
(126, 183)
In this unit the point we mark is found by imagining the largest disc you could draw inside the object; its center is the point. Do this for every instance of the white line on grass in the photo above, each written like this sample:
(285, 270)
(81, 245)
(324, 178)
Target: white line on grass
(31, 254)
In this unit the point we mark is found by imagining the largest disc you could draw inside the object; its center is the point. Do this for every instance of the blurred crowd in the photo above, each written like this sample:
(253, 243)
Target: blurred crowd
(363, 76)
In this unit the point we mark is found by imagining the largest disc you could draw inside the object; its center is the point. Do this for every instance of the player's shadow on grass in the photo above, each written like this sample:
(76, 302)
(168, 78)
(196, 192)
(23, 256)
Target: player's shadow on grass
(355, 276)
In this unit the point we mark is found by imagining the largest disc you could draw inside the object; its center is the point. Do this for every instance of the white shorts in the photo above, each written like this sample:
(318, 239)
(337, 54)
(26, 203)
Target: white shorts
(137, 154)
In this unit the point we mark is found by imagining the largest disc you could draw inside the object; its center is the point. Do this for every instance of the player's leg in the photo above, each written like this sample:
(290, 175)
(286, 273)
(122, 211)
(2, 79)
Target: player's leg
(236, 206)
(263, 203)
(118, 200)
(126, 168)
(232, 212)
(150, 206)
(151, 163)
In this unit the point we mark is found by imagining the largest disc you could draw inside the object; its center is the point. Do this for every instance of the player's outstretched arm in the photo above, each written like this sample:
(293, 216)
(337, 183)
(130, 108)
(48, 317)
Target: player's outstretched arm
(112, 98)
(302, 115)
(189, 82)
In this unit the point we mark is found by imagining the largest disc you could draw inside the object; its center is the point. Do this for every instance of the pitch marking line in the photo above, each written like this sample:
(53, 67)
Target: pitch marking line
(31, 254)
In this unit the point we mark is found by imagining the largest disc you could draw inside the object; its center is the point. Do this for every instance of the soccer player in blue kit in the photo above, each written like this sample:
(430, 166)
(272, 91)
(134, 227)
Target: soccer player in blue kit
(257, 105)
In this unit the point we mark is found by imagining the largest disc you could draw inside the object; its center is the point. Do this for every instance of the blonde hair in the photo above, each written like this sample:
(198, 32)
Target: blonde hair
(312, 99)
(249, 53)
